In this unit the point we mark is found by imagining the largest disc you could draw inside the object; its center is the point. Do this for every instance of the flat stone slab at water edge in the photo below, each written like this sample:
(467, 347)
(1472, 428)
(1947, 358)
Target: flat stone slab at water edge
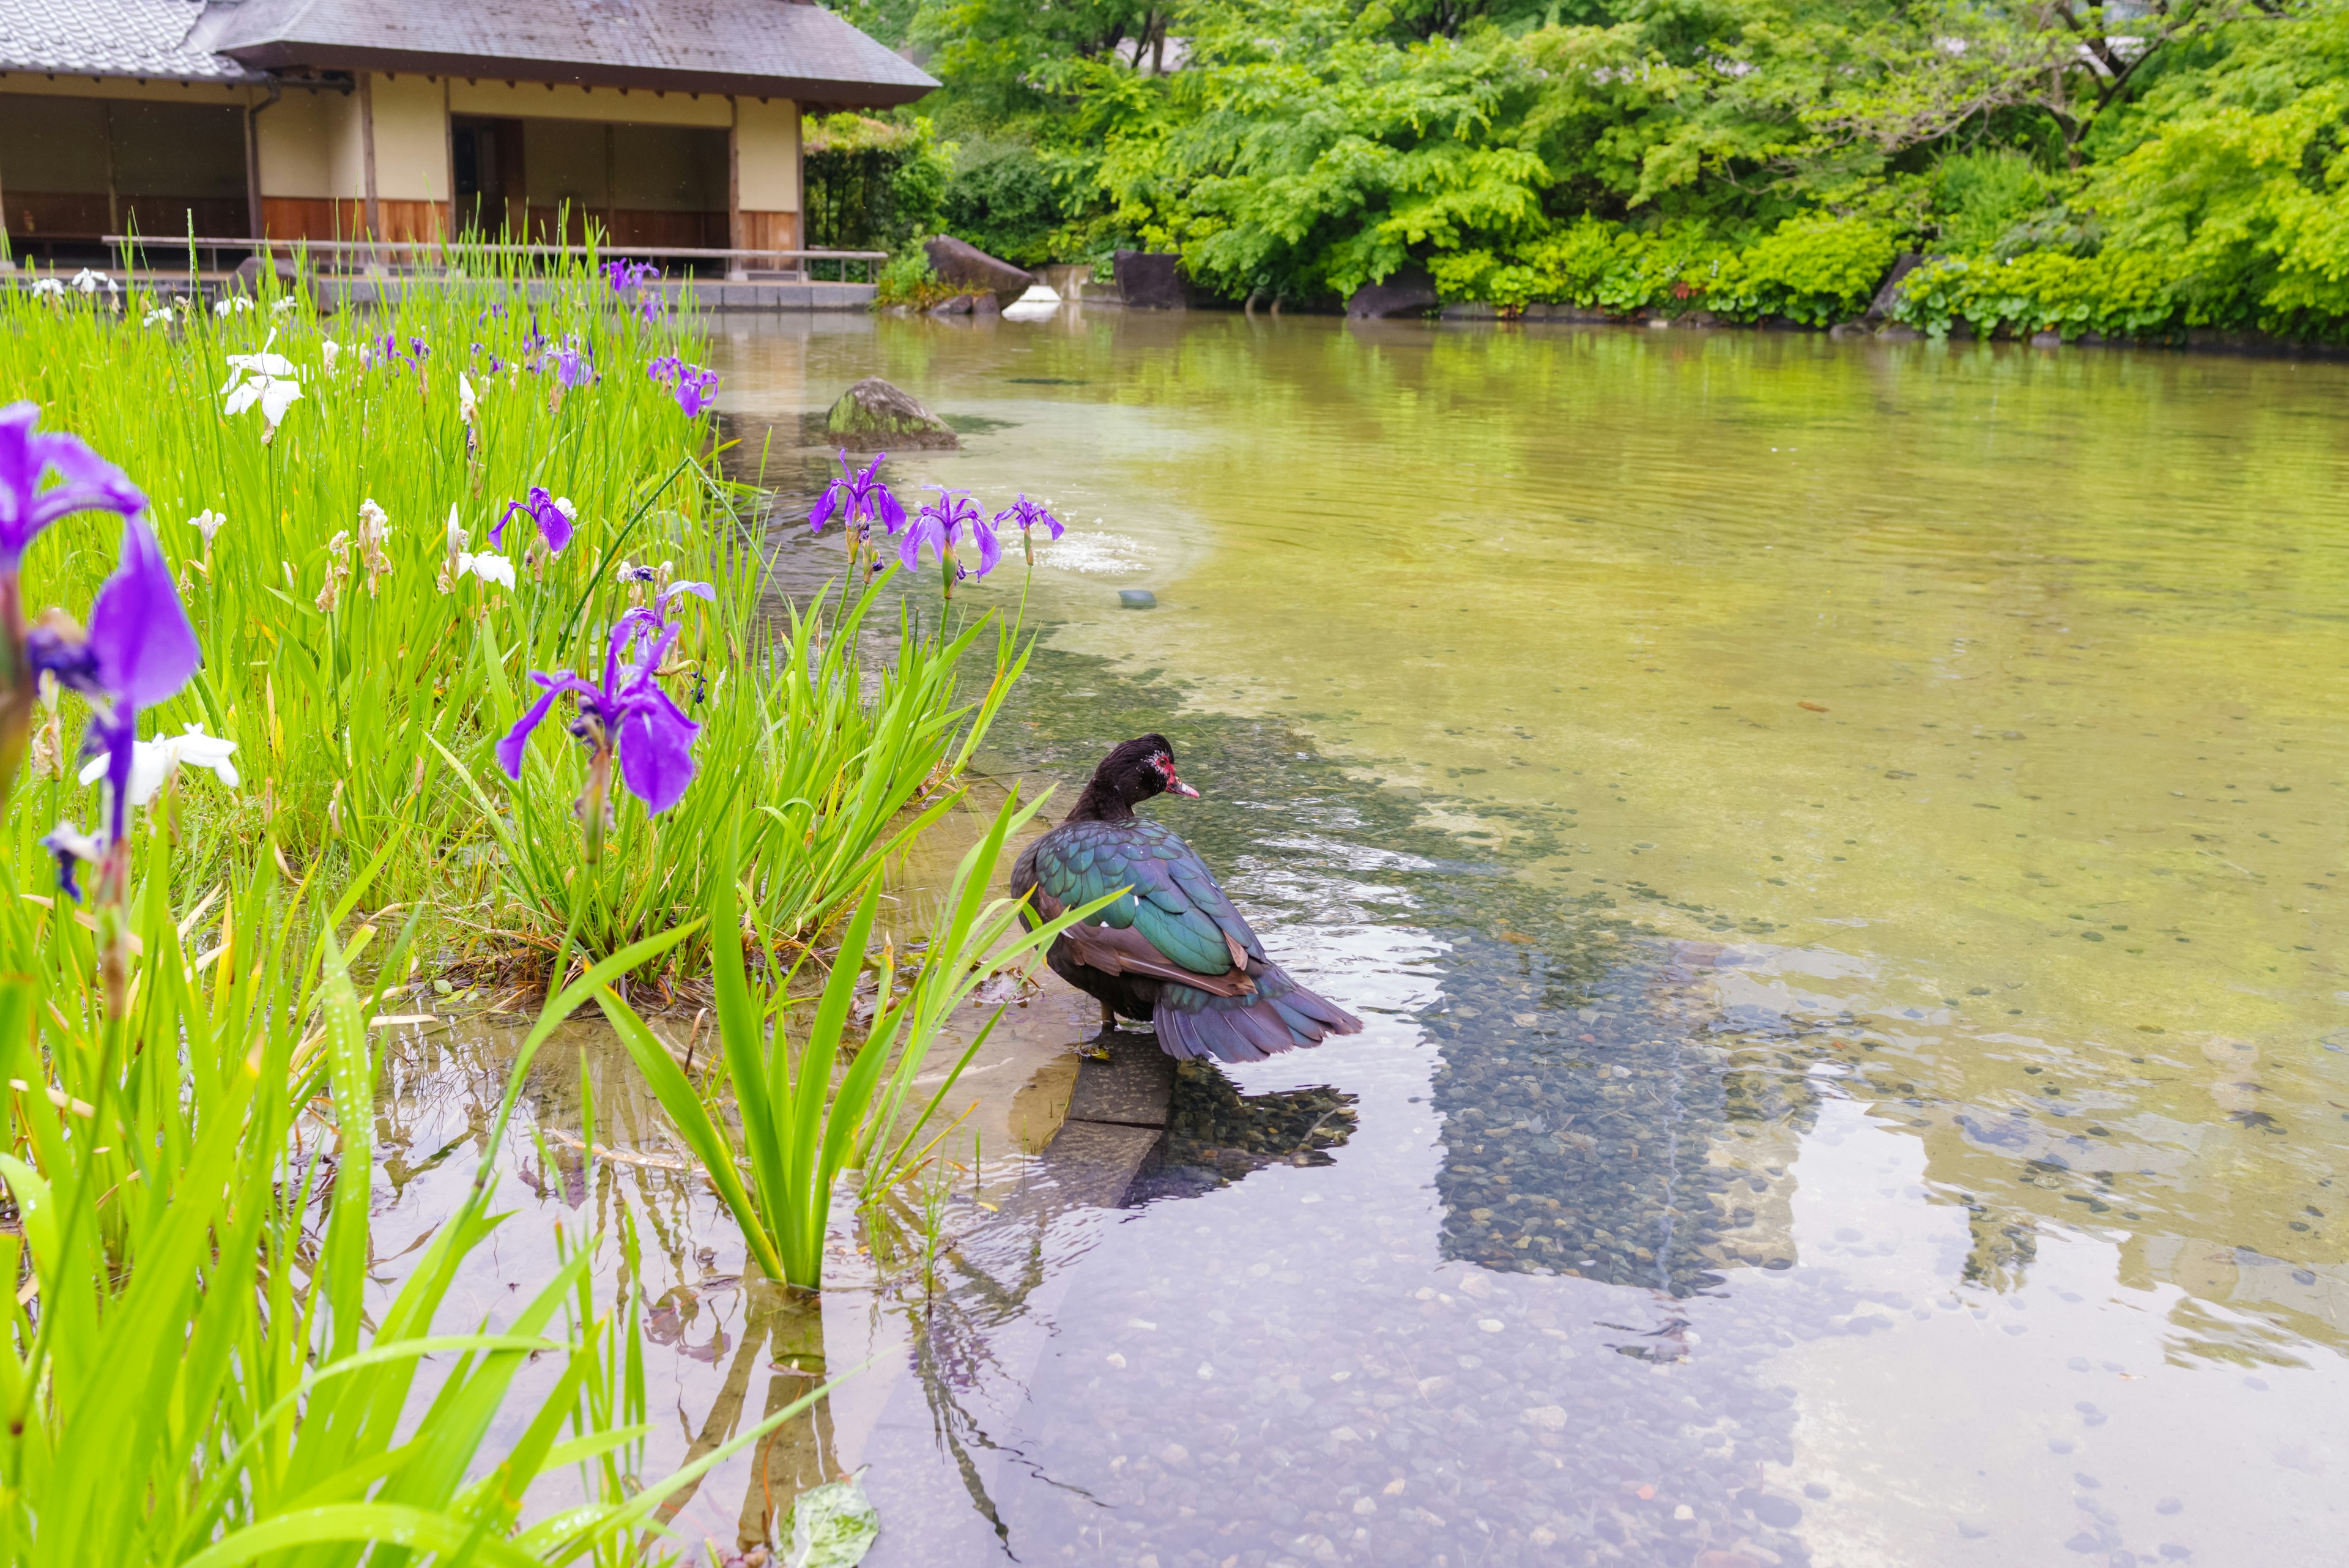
(1132, 1088)
(1115, 1123)
(873, 415)
(972, 271)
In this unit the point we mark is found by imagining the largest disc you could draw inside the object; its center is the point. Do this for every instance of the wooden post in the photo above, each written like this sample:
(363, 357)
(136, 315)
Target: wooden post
(449, 150)
(113, 206)
(737, 269)
(7, 251)
(366, 148)
(799, 186)
(611, 185)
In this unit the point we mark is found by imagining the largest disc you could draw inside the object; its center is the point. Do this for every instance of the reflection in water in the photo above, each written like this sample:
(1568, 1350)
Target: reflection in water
(1854, 1070)
(1216, 1135)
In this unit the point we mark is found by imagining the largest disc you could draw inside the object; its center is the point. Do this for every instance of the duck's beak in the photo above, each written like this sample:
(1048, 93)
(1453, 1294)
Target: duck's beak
(1177, 786)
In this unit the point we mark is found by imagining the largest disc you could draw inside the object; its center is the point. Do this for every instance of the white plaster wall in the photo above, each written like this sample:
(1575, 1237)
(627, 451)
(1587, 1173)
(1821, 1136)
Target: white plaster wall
(346, 146)
(295, 137)
(533, 100)
(767, 141)
(412, 139)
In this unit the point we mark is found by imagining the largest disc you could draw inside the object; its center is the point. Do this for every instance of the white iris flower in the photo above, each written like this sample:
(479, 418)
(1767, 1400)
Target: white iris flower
(152, 762)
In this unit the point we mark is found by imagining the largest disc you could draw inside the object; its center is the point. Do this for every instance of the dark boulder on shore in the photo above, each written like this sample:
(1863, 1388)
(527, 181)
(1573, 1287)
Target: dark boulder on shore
(873, 415)
(1888, 293)
(970, 270)
(1407, 292)
(1151, 280)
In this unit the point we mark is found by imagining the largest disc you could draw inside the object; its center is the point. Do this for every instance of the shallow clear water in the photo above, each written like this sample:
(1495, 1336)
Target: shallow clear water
(1835, 846)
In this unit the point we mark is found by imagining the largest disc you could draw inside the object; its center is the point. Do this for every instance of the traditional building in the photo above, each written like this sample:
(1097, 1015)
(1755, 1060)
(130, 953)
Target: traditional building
(664, 122)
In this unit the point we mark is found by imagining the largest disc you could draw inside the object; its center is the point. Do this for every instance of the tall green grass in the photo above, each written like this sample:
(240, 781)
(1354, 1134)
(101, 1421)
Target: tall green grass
(379, 703)
(805, 1118)
(191, 1369)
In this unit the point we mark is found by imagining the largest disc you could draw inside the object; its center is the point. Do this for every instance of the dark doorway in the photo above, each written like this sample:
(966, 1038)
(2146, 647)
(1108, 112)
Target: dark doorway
(491, 198)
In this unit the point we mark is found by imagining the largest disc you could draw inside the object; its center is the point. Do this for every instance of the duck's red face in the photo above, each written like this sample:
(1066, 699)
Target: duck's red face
(1165, 764)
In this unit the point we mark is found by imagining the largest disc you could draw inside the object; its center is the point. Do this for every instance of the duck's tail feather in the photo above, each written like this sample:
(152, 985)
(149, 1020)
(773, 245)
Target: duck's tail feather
(1280, 1015)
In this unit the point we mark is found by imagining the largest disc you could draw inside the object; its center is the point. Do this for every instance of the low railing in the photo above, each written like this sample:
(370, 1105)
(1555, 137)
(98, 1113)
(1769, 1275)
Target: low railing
(374, 249)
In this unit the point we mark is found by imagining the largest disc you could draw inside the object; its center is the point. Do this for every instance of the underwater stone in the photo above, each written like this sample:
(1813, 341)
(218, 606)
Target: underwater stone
(1136, 598)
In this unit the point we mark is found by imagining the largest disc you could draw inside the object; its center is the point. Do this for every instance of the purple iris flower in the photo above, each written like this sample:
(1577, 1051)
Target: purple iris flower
(859, 500)
(689, 384)
(937, 525)
(573, 367)
(90, 482)
(647, 625)
(623, 274)
(627, 717)
(552, 514)
(1028, 514)
(138, 653)
(86, 483)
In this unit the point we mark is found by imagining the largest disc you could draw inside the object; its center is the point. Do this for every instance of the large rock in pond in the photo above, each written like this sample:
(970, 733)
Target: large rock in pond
(1151, 280)
(873, 415)
(970, 270)
(1409, 292)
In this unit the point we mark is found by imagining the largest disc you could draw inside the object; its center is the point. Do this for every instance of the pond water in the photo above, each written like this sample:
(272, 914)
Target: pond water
(1835, 849)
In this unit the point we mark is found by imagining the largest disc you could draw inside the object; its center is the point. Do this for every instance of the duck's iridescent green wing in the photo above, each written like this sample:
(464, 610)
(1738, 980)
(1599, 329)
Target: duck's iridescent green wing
(1171, 896)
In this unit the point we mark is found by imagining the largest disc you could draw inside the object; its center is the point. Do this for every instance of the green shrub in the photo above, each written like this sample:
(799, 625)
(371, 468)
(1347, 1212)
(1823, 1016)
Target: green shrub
(1981, 197)
(2119, 296)
(909, 279)
(1001, 199)
(1817, 270)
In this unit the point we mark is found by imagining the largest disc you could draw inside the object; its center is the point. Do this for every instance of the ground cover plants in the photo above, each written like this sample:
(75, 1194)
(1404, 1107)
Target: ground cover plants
(2142, 170)
(333, 640)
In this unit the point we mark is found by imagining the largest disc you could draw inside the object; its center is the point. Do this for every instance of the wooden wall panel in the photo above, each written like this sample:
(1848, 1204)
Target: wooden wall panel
(300, 218)
(780, 230)
(324, 218)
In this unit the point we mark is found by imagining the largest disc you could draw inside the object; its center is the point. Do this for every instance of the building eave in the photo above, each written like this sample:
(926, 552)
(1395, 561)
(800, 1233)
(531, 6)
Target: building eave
(269, 58)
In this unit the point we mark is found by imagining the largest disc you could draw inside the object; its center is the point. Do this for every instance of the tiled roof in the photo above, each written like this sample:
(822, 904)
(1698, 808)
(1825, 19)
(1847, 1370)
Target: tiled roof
(774, 47)
(777, 48)
(110, 38)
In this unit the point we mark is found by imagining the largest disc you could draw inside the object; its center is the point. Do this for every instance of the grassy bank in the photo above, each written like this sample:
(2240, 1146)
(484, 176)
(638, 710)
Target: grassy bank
(368, 640)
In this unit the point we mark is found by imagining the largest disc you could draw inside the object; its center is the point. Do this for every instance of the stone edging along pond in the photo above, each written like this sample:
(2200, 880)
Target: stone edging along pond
(1115, 1124)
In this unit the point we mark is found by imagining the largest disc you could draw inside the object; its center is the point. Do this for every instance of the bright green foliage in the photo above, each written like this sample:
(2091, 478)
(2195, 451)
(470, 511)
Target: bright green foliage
(2045, 291)
(846, 761)
(801, 1126)
(380, 700)
(1981, 197)
(195, 1371)
(909, 279)
(1814, 270)
(1749, 157)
